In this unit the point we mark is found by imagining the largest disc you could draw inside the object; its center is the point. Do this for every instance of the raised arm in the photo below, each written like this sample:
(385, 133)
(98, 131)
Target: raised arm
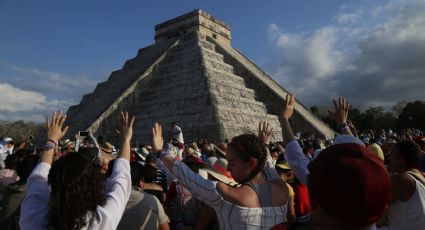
(24, 143)
(264, 134)
(95, 143)
(55, 132)
(294, 154)
(340, 114)
(125, 131)
(201, 188)
(118, 186)
(35, 205)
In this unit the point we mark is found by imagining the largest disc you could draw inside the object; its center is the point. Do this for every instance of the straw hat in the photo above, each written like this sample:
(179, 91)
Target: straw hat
(284, 165)
(219, 172)
(107, 148)
(219, 177)
(221, 151)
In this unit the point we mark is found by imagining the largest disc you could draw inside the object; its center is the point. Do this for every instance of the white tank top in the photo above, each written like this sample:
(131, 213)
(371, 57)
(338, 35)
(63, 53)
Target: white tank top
(409, 215)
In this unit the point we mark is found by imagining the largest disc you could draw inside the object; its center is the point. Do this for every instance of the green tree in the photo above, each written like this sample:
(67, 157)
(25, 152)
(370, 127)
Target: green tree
(398, 108)
(412, 116)
(20, 130)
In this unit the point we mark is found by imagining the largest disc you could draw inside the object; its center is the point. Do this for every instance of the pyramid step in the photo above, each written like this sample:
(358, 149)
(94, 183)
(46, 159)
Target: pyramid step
(168, 78)
(243, 103)
(183, 87)
(222, 66)
(214, 73)
(170, 67)
(212, 55)
(224, 88)
(193, 50)
(183, 45)
(259, 112)
(257, 117)
(205, 114)
(196, 98)
(187, 65)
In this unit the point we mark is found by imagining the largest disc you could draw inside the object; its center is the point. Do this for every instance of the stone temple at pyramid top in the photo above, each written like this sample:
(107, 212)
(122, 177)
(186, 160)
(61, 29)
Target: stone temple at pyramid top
(197, 20)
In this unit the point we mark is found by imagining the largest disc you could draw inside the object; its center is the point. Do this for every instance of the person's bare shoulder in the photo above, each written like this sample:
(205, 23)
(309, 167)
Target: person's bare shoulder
(403, 187)
(243, 196)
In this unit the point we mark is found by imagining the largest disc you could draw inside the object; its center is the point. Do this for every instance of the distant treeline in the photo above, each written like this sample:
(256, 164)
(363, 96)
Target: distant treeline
(403, 115)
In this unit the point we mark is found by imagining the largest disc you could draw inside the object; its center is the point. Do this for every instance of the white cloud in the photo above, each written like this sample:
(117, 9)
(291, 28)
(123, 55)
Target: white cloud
(57, 78)
(14, 99)
(308, 57)
(16, 104)
(379, 62)
(49, 82)
(30, 93)
(347, 18)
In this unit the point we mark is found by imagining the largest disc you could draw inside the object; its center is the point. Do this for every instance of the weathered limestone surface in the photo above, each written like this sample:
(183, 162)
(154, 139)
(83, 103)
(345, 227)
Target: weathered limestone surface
(210, 89)
(271, 93)
(92, 105)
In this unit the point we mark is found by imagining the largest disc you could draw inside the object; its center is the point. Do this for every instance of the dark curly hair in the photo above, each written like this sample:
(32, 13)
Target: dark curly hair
(78, 187)
(25, 167)
(247, 146)
(411, 152)
(137, 173)
(11, 161)
(150, 173)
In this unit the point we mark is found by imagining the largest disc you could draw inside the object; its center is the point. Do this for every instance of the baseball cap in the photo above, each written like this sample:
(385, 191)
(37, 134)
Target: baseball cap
(350, 183)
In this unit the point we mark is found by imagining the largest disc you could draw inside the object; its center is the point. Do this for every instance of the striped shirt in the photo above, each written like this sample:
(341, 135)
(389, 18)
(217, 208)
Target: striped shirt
(231, 216)
(161, 179)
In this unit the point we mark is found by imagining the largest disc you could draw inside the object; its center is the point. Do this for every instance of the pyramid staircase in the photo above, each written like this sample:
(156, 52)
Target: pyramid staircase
(209, 88)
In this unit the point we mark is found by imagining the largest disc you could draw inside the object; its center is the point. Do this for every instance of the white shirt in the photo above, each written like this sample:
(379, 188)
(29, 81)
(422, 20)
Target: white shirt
(297, 161)
(4, 152)
(35, 206)
(178, 134)
(229, 215)
(409, 215)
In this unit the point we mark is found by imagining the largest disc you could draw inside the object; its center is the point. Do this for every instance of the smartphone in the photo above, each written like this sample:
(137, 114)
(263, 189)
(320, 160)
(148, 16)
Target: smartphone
(84, 133)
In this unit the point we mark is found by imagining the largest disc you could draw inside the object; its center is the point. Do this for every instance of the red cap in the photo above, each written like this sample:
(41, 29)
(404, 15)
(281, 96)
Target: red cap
(350, 183)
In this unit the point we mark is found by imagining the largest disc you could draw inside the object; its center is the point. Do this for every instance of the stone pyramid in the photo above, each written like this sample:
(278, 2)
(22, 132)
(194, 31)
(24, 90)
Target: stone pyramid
(192, 76)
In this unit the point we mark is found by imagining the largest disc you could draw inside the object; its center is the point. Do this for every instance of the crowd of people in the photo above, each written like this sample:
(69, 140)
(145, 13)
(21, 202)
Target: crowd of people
(358, 180)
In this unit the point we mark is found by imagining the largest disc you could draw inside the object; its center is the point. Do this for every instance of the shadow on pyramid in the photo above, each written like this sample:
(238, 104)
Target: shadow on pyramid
(191, 76)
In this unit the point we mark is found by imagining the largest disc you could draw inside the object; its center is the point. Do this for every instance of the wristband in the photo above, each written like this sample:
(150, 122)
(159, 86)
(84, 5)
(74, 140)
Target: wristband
(54, 142)
(49, 146)
(342, 127)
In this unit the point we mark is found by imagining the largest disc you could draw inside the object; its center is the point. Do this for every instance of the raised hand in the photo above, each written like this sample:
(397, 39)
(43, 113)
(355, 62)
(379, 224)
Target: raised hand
(157, 139)
(54, 126)
(289, 106)
(340, 112)
(287, 133)
(352, 128)
(55, 132)
(264, 132)
(125, 128)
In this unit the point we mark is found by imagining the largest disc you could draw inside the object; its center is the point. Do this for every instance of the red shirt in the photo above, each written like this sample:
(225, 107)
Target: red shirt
(301, 199)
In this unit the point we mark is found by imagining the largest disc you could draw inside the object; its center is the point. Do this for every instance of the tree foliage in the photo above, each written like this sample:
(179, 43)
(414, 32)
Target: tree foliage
(412, 116)
(401, 116)
(19, 130)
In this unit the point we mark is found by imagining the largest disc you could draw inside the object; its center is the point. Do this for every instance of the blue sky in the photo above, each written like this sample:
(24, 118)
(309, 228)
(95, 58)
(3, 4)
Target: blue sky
(52, 53)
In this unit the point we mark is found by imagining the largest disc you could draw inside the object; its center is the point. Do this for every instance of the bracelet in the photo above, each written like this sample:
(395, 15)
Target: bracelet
(49, 146)
(54, 142)
(342, 127)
